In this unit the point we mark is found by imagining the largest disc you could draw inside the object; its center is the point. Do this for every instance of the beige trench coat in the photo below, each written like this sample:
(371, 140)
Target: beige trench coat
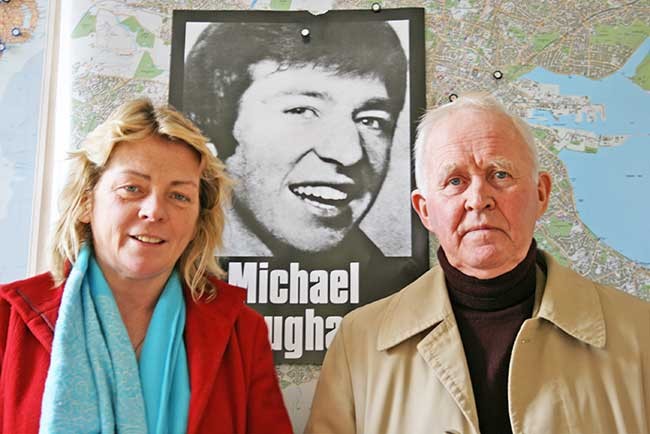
(581, 364)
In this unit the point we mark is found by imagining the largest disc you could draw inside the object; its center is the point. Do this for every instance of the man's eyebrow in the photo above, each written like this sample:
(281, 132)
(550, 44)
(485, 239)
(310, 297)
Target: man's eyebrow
(379, 103)
(148, 178)
(502, 163)
(309, 93)
(445, 170)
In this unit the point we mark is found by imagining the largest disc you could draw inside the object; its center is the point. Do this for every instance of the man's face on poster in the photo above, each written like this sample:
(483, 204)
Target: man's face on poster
(312, 153)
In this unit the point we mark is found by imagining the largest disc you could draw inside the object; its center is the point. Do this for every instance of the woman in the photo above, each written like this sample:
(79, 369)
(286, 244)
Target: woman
(132, 331)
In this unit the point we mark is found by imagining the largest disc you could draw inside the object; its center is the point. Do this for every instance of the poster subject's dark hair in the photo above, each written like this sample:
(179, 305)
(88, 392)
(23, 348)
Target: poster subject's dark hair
(217, 69)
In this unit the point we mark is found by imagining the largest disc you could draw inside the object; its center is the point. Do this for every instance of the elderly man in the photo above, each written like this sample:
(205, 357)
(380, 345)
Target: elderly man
(499, 337)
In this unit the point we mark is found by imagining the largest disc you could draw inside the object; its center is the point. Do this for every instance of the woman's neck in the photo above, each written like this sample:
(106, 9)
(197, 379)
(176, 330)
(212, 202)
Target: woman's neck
(136, 300)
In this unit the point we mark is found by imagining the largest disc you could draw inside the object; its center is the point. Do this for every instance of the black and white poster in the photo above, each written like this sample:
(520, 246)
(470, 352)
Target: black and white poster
(314, 117)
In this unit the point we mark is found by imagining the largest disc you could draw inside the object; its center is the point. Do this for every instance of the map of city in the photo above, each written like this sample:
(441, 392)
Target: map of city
(22, 46)
(578, 71)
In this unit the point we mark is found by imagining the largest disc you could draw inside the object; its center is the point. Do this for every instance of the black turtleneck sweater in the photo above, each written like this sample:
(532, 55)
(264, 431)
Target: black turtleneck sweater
(489, 314)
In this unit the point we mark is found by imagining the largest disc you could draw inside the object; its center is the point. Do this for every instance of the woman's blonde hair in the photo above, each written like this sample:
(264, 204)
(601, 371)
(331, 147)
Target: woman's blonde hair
(132, 121)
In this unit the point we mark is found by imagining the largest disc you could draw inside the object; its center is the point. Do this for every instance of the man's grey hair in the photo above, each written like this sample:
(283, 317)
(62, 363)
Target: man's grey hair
(471, 101)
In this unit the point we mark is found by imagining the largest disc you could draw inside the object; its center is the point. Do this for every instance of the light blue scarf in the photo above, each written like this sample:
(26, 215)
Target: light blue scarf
(93, 383)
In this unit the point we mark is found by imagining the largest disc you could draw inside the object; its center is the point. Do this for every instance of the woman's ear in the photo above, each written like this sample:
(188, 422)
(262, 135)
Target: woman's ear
(87, 206)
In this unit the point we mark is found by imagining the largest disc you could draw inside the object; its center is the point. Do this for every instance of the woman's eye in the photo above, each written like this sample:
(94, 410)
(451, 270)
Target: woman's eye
(455, 182)
(131, 188)
(181, 197)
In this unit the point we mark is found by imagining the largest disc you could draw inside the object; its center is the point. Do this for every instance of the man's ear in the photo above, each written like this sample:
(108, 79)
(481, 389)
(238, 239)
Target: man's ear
(420, 206)
(544, 185)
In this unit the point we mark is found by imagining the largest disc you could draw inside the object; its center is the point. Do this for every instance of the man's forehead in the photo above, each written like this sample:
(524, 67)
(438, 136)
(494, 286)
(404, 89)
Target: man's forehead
(484, 137)
(267, 67)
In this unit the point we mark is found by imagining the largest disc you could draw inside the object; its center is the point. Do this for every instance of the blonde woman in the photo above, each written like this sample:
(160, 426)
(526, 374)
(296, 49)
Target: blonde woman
(132, 330)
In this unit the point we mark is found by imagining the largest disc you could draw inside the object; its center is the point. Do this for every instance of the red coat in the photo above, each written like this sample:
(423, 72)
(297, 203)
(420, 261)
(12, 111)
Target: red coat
(233, 384)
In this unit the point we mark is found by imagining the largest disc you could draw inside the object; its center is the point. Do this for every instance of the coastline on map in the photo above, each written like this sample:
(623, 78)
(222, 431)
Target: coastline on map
(610, 182)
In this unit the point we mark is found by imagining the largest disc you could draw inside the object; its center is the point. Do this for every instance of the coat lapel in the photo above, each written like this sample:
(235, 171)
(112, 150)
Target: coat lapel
(208, 329)
(571, 302)
(423, 305)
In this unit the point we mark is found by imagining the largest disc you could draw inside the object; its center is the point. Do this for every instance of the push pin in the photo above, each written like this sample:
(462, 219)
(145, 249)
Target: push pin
(376, 7)
(3, 47)
(453, 97)
(305, 33)
(497, 74)
(15, 31)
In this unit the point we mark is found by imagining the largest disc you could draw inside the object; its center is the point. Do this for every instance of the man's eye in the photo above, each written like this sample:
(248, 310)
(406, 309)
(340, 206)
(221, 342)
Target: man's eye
(500, 174)
(131, 188)
(374, 123)
(305, 112)
(379, 120)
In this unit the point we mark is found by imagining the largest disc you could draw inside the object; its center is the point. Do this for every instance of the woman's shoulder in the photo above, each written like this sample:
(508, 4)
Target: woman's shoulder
(232, 299)
(225, 289)
(227, 308)
(34, 290)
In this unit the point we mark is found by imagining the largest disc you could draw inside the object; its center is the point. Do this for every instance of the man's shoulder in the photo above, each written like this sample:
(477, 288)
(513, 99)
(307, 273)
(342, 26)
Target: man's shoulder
(608, 295)
(620, 310)
(415, 305)
(370, 315)
(623, 310)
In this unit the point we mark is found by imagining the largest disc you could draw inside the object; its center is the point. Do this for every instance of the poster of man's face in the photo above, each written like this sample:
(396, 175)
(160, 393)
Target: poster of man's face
(313, 117)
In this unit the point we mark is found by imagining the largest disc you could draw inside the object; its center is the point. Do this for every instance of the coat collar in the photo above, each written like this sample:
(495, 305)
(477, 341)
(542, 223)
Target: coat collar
(425, 305)
(421, 305)
(571, 302)
(568, 300)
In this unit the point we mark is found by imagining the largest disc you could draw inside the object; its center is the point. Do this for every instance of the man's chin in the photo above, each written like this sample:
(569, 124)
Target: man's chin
(314, 241)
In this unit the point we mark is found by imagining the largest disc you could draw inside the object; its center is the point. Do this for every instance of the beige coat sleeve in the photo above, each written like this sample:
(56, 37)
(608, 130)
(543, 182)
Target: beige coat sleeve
(332, 411)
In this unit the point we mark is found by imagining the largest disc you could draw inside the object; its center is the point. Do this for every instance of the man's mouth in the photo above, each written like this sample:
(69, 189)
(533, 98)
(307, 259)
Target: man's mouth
(324, 196)
(482, 228)
(147, 239)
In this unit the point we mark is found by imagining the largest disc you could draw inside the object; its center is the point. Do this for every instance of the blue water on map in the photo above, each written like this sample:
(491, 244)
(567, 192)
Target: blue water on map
(611, 187)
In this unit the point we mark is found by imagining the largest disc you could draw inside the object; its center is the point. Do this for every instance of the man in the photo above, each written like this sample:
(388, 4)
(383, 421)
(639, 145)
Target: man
(303, 125)
(499, 337)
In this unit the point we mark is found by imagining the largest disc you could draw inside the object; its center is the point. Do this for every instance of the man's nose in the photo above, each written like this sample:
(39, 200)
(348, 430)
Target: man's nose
(341, 143)
(479, 196)
(152, 208)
